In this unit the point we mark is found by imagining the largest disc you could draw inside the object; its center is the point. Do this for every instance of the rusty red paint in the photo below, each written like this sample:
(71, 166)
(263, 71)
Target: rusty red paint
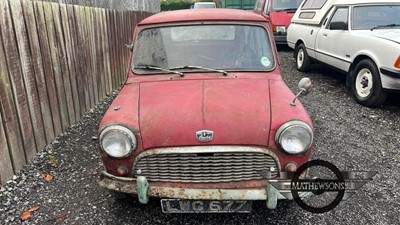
(202, 15)
(242, 108)
(230, 107)
(128, 112)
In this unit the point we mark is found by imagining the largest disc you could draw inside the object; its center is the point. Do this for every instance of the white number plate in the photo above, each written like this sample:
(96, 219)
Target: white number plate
(205, 206)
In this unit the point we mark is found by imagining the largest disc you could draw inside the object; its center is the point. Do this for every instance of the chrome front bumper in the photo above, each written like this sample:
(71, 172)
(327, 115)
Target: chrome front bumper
(144, 190)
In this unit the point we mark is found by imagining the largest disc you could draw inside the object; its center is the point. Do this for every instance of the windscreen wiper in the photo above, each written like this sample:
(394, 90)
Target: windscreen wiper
(286, 10)
(150, 67)
(200, 68)
(387, 25)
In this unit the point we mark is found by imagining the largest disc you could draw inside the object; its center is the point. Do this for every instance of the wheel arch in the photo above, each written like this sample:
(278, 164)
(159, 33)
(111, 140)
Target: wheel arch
(300, 41)
(353, 65)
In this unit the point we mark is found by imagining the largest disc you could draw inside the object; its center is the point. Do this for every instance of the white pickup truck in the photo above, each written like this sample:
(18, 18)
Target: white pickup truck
(360, 38)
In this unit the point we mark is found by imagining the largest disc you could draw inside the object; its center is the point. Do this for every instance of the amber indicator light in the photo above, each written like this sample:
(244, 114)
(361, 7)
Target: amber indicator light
(397, 63)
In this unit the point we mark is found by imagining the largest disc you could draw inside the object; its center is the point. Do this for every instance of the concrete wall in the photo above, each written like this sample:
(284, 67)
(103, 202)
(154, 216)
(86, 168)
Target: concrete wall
(136, 5)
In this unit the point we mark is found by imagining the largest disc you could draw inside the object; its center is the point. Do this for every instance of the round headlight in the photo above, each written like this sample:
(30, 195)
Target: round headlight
(117, 141)
(294, 137)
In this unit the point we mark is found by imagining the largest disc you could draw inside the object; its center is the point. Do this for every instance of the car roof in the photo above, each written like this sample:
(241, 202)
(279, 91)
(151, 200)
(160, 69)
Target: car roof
(193, 15)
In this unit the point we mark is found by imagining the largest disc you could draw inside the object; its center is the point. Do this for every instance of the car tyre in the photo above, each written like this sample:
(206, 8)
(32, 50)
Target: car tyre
(303, 61)
(366, 84)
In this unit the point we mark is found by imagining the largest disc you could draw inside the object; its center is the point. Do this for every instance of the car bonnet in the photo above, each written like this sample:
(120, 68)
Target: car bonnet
(237, 111)
(388, 34)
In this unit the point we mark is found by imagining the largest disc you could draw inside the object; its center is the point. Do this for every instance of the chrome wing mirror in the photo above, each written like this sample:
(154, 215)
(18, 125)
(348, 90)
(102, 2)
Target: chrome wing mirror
(305, 86)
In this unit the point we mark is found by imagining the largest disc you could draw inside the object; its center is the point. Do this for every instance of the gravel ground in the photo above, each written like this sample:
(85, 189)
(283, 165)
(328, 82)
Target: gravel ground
(349, 135)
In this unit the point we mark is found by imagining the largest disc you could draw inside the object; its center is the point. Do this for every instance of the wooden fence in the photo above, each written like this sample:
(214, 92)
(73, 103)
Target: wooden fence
(56, 62)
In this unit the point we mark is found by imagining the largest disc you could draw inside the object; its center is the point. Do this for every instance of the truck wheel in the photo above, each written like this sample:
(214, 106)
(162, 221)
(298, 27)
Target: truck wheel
(366, 84)
(303, 61)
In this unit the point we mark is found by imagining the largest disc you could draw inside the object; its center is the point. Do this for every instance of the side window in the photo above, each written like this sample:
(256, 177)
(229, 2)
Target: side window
(339, 19)
(307, 15)
(313, 4)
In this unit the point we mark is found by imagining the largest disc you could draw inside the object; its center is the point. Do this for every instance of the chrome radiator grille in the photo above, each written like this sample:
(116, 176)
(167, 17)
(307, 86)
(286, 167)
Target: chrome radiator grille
(205, 167)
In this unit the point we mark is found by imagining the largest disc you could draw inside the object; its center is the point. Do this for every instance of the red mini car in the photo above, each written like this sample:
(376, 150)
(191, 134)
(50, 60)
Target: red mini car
(204, 120)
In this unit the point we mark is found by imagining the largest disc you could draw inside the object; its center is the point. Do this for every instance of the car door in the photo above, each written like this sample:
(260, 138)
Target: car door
(331, 40)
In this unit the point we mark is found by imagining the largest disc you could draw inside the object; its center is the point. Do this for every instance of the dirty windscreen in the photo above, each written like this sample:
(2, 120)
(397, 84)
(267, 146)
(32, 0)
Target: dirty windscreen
(227, 47)
(368, 17)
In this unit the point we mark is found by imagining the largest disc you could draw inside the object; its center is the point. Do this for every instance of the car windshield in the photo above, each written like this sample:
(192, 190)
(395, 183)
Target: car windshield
(375, 17)
(221, 47)
(285, 5)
